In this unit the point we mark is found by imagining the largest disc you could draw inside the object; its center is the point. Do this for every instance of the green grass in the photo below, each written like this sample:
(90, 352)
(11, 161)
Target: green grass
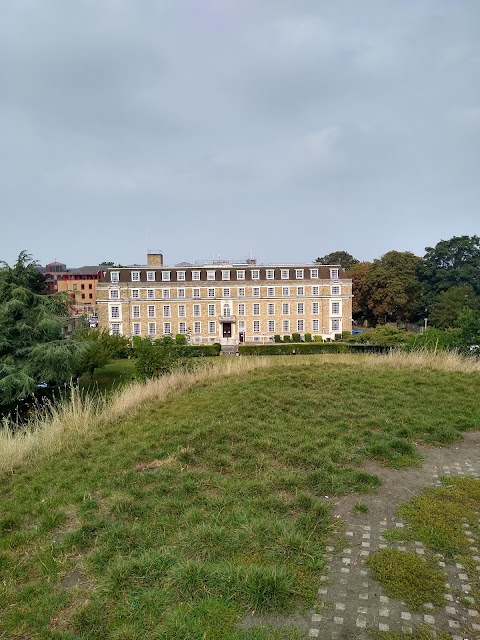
(360, 507)
(422, 633)
(180, 518)
(113, 375)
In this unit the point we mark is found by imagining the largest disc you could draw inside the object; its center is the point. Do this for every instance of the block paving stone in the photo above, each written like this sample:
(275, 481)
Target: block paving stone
(352, 604)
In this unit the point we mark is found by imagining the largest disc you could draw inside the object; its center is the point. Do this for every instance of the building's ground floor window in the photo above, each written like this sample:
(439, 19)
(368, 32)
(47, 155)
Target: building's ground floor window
(167, 328)
(136, 329)
(115, 328)
(152, 328)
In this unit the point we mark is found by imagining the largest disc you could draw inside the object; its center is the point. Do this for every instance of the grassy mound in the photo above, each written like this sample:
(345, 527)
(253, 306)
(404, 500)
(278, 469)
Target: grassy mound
(172, 518)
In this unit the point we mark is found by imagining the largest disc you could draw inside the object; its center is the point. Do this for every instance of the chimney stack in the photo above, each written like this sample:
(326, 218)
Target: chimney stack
(155, 258)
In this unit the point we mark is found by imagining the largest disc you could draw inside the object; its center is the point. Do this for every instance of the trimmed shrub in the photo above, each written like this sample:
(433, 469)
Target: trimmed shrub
(302, 348)
(295, 337)
(287, 339)
(277, 338)
(308, 337)
(180, 339)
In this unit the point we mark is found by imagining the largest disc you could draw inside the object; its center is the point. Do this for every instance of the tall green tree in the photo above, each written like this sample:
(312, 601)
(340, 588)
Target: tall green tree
(451, 263)
(31, 345)
(391, 286)
(360, 308)
(344, 259)
(451, 304)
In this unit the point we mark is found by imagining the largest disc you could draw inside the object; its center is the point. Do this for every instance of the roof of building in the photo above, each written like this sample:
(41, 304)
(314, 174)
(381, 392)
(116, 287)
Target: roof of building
(85, 271)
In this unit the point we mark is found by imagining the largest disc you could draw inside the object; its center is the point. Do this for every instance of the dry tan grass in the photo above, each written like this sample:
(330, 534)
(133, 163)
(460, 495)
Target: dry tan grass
(60, 424)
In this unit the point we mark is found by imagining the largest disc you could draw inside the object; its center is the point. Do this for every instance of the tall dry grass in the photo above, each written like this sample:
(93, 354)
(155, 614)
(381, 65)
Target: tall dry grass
(58, 425)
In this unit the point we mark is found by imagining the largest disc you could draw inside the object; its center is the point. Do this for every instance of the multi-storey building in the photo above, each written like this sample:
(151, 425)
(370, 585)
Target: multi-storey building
(225, 302)
(81, 285)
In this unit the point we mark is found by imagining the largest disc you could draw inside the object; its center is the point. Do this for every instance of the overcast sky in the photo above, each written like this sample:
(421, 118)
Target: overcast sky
(207, 127)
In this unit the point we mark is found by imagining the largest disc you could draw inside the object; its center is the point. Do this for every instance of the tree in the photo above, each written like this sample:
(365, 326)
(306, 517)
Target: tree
(31, 345)
(450, 305)
(344, 259)
(360, 309)
(451, 263)
(391, 287)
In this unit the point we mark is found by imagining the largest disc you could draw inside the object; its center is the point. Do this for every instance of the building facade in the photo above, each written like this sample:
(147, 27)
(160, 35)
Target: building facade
(225, 302)
(81, 285)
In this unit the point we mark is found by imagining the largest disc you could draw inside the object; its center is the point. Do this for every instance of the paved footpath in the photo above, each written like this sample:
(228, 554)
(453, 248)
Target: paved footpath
(351, 602)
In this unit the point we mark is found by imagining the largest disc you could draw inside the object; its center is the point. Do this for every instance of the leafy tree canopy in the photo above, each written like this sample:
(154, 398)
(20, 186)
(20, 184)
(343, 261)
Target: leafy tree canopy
(450, 305)
(360, 310)
(452, 263)
(344, 259)
(31, 345)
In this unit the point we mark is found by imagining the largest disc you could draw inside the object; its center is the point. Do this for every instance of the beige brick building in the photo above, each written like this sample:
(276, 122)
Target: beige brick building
(225, 302)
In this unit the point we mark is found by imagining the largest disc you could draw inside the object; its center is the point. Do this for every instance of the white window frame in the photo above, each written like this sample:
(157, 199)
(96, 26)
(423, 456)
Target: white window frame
(242, 325)
(335, 325)
(336, 308)
(150, 276)
(300, 308)
(167, 311)
(114, 276)
(137, 329)
(300, 291)
(150, 293)
(256, 309)
(196, 292)
(256, 326)
(135, 276)
(167, 328)
(255, 273)
(135, 293)
(197, 311)
(271, 309)
(181, 276)
(313, 273)
(241, 292)
(115, 329)
(151, 311)
(299, 274)
(300, 325)
(285, 326)
(284, 274)
(315, 324)
(115, 315)
(225, 274)
(165, 293)
(285, 308)
(335, 290)
(197, 327)
(195, 275)
(271, 326)
(315, 308)
(211, 275)
(182, 311)
(212, 326)
(241, 309)
(211, 292)
(181, 293)
(226, 292)
(256, 292)
(182, 328)
(211, 310)
(152, 328)
(315, 290)
(270, 274)
(114, 294)
(334, 274)
(270, 292)
(241, 275)
(165, 276)
(136, 311)
(285, 291)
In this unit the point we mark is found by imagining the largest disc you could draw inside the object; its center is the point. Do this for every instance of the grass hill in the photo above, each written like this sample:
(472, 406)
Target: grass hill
(170, 509)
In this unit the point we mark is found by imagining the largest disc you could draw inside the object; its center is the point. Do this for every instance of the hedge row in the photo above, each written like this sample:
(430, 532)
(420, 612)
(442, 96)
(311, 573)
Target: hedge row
(308, 347)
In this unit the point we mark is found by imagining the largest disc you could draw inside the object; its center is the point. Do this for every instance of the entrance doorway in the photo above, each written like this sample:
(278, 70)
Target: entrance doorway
(227, 329)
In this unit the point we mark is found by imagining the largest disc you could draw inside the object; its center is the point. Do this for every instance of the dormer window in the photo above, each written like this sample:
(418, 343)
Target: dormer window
(150, 276)
(114, 276)
(166, 276)
(135, 276)
(313, 273)
(255, 274)
(298, 274)
(180, 276)
(195, 275)
(334, 274)
(225, 275)
(211, 275)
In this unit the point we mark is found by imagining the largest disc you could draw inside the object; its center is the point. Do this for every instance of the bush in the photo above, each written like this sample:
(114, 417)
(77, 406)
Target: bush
(338, 336)
(153, 359)
(302, 348)
(381, 337)
(277, 338)
(295, 337)
(180, 339)
(286, 339)
(308, 337)
(317, 339)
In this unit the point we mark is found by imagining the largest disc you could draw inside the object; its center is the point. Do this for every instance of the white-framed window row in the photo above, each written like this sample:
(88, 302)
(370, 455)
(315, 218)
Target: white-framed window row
(114, 276)
(150, 276)
(115, 329)
(114, 294)
(151, 311)
(166, 276)
(136, 311)
(152, 328)
(135, 276)
(137, 329)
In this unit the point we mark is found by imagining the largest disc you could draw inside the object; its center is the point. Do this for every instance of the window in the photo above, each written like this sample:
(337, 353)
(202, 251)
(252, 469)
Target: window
(300, 325)
(211, 309)
(256, 292)
(150, 293)
(300, 291)
(335, 325)
(300, 308)
(336, 290)
(136, 328)
(271, 309)
(75, 288)
(270, 273)
(135, 293)
(241, 292)
(285, 274)
(165, 276)
(315, 326)
(255, 274)
(166, 311)
(90, 296)
(211, 293)
(114, 293)
(167, 328)
(285, 291)
(115, 312)
(211, 327)
(196, 310)
(136, 311)
(195, 275)
(181, 311)
(286, 308)
(315, 290)
(150, 276)
(82, 286)
(182, 327)
(151, 311)
(152, 328)
(335, 307)
(225, 275)
(181, 293)
(270, 292)
(241, 309)
(89, 286)
(256, 326)
(256, 309)
(285, 326)
(271, 325)
(333, 274)
(298, 274)
(313, 273)
(115, 329)
(196, 293)
(180, 276)
(114, 276)
(166, 293)
(315, 307)
(135, 276)
(240, 275)
(226, 293)
(210, 275)
(197, 327)
(241, 325)
(226, 311)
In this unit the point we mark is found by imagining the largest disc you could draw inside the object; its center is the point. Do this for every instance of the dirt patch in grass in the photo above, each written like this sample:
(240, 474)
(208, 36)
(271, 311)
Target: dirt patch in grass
(156, 464)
